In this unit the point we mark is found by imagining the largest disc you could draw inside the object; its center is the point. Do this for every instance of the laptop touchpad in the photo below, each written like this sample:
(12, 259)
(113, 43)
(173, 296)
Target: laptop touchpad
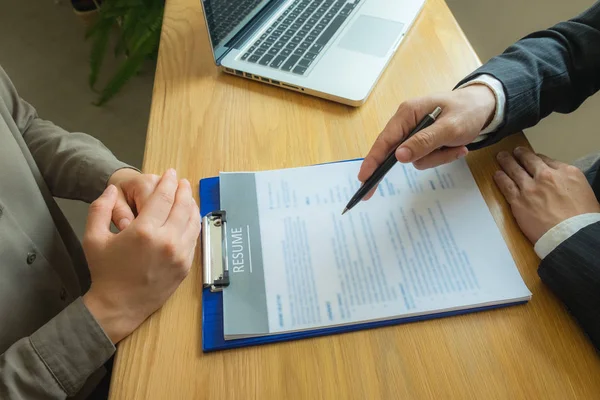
(372, 35)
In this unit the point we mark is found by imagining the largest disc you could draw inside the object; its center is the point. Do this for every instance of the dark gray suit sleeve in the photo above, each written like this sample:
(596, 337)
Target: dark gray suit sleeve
(550, 70)
(572, 272)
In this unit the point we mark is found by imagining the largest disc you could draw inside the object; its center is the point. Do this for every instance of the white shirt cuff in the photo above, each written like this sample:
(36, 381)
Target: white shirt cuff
(561, 232)
(495, 86)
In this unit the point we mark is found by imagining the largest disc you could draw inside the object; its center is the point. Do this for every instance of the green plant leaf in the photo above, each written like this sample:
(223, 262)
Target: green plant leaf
(98, 51)
(147, 44)
(139, 23)
(129, 23)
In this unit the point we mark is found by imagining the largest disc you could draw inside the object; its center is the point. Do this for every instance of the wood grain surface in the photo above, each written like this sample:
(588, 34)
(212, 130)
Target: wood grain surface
(203, 122)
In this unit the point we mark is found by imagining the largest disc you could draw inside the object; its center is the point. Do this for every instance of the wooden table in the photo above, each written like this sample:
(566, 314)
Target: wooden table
(203, 122)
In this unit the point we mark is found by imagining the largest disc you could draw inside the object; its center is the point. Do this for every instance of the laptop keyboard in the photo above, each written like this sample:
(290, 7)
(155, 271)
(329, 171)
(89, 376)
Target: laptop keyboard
(293, 42)
(227, 15)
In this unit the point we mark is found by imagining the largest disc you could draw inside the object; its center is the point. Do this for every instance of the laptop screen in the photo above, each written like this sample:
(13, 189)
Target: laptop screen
(225, 18)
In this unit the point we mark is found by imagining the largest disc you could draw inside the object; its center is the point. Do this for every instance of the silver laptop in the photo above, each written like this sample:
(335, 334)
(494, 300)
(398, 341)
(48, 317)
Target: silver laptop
(335, 49)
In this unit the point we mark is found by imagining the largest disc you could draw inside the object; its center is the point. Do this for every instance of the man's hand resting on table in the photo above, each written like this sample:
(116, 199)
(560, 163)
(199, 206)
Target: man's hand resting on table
(133, 189)
(135, 271)
(542, 192)
(465, 113)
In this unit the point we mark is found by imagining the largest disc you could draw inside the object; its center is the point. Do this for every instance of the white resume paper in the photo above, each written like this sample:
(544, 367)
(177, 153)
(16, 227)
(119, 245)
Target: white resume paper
(425, 243)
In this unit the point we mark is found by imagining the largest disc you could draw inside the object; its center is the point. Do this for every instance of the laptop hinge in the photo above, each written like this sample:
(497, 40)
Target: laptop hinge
(250, 28)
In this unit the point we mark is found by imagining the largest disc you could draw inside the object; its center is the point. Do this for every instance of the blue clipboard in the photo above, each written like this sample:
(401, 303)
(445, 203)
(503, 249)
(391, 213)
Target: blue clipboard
(213, 338)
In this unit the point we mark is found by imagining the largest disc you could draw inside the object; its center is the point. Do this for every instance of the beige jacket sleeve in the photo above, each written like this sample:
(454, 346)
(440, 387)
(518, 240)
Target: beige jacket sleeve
(74, 165)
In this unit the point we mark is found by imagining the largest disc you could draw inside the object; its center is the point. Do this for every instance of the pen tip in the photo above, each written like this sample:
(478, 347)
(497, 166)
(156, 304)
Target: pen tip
(345, 210)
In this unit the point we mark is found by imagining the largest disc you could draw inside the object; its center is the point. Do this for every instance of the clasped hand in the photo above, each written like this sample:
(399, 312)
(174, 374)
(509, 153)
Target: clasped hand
(135, 271)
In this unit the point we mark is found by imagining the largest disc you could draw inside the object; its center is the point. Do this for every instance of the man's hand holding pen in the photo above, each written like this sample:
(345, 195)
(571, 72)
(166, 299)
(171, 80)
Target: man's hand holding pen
(465, 113)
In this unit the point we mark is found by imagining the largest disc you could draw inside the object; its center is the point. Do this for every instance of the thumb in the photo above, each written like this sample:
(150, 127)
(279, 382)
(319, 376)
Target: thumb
(425, 142)
(98, 221)
(121, 213)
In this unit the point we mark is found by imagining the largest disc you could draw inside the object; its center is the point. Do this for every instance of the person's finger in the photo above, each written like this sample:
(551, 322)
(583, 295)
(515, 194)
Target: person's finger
(530, 161)
(440, 157)
(368, 166)
(193, 227)
(370, 194)
(514, 170)
(425, 142)
(551, 162)
(189, 260)
(100, 212)
(181, 211)
(507, 186)
(159, 204)
(406, 118)
(192, 232)
(366, 170)
(122, 215)
(143, 190)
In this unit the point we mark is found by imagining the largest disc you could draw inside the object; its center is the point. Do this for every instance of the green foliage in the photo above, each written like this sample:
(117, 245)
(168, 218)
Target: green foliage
(139, 23)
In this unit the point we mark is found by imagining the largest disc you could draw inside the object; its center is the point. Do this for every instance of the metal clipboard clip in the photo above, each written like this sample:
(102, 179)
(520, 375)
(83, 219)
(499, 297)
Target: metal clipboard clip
(214, 246)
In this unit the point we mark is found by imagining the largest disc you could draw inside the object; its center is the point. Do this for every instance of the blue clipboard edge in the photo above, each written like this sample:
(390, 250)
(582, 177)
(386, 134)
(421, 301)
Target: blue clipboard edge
(213, 337)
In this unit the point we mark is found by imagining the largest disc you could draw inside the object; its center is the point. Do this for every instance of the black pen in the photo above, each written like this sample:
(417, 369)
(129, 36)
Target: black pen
(388, 163)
